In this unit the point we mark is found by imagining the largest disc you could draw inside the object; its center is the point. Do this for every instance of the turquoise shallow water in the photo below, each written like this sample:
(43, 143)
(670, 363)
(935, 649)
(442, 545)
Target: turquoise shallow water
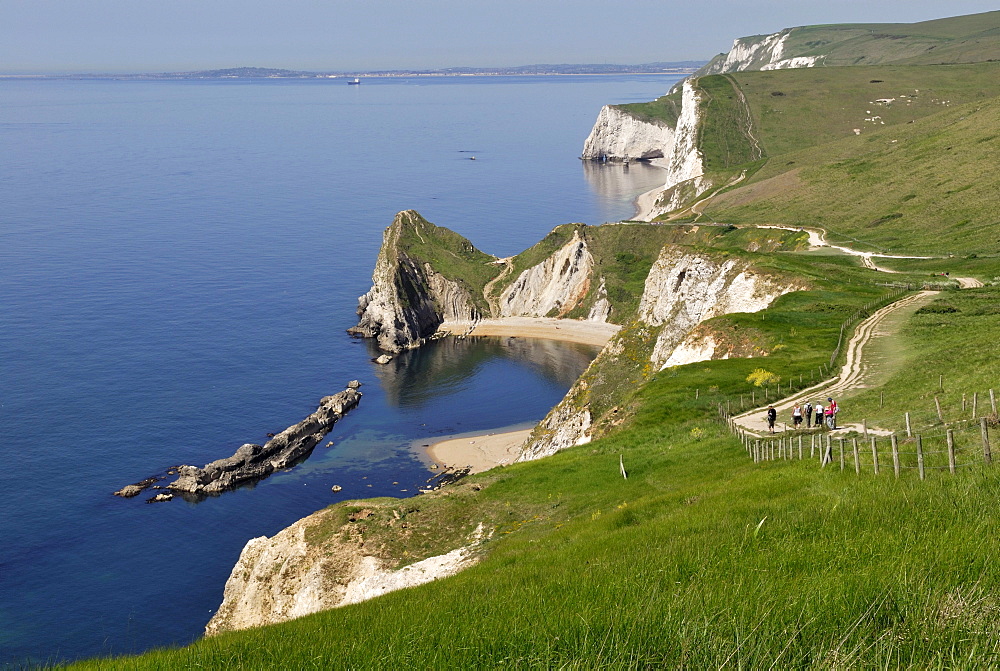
(178, 264)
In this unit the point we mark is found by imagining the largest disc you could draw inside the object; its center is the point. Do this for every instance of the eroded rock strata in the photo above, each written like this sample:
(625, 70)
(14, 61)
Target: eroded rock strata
(409, 298)
(253, 462)
(683, 289)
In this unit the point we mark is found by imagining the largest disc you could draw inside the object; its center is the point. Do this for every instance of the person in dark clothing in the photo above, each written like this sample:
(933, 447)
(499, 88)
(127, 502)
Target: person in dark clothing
(807, 410)
(772, 415)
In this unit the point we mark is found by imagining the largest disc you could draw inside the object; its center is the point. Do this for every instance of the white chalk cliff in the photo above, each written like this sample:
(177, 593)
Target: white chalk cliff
(288, 576)
(685, 162)
(554, 286)
(408, 299)
(618, 134)
(683, 289)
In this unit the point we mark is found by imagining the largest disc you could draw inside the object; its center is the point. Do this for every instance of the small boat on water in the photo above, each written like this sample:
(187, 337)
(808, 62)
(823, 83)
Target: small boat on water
(355, 82)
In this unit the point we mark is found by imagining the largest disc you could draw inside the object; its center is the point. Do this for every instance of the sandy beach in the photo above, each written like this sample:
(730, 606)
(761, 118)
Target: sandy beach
(568, 330)
(480, 451)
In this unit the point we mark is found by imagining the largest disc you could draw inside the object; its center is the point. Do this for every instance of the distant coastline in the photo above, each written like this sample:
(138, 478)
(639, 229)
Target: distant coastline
(666, 68)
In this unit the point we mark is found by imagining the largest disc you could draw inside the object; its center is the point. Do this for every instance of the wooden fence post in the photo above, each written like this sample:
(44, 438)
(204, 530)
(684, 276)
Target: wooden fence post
(987, 456)
(993, 402)
(829, 449)
(940, 382)
(697, 392)
(920, 456)
(975, 403)
(895, 454)
(951, 451)
(937, 404)
(875, 455)
(857, 461)
(864, 428)
(800, 448)
(840, 441)
(812, 446)
(909, 433)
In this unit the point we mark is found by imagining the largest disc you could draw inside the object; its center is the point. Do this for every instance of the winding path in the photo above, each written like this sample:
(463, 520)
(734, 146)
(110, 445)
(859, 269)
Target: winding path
(854, 375)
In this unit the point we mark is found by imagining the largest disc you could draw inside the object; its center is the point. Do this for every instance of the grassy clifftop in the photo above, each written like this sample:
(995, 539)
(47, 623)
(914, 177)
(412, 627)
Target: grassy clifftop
(961, 39)
(919, 187)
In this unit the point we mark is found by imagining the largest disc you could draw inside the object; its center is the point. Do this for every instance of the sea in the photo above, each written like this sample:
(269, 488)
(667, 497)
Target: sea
(179, 262)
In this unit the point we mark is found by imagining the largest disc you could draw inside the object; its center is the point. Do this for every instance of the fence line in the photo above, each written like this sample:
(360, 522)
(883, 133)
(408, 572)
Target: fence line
(907, 454)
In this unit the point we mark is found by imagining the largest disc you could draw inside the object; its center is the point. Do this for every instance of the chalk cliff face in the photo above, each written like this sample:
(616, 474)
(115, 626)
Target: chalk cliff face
(685, 163)
(291, 575)
(759, 52)
(553, 287)
(408, 299)
(686, 288)
(683, 289)
(618, 134)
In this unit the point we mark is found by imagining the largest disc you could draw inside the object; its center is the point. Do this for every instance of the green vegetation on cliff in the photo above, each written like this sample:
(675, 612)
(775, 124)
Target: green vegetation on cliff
(961, 39)
(917, 187)
(664, 109)
(702, 558)
(447, 253)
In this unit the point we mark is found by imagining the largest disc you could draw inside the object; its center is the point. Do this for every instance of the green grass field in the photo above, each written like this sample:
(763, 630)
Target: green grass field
(915, 188)
(699, 559)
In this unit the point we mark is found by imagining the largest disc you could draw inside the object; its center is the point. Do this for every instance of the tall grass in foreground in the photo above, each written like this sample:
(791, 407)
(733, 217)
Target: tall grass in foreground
(700, 559)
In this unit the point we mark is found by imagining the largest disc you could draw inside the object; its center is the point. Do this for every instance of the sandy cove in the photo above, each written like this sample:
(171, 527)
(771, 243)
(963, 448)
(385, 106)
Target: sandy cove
(481, 452)
(568, 330)
(484, 451)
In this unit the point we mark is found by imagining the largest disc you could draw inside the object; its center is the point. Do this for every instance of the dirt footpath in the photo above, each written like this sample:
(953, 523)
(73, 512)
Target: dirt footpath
(855, 374)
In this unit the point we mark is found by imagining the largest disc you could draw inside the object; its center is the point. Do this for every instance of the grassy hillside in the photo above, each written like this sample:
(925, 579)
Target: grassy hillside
(699, 559)
(914, 188)
(962, 39)
(796, 109)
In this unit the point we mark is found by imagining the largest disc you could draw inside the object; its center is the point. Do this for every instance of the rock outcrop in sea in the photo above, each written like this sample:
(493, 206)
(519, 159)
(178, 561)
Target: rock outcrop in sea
(252, 462)
(409, 299)
(618, 134)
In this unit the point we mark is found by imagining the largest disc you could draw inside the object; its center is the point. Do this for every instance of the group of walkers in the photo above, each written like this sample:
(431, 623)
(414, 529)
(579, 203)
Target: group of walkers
(818, 415)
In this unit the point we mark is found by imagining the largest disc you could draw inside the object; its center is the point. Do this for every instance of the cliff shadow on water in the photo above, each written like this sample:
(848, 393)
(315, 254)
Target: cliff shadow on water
(448, 366)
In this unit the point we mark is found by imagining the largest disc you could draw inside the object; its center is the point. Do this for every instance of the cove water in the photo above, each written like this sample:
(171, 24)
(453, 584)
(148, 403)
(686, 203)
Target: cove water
(178, 264)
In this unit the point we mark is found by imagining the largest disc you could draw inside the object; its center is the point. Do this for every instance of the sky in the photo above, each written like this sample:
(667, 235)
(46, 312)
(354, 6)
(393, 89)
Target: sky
(59, 36)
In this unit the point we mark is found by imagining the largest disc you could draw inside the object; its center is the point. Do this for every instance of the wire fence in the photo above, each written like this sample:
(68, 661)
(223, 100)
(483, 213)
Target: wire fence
(951, 447)
(952, 435)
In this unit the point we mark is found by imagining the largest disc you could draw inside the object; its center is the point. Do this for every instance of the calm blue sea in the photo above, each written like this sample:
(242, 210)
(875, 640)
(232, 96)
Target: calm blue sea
(178, 264)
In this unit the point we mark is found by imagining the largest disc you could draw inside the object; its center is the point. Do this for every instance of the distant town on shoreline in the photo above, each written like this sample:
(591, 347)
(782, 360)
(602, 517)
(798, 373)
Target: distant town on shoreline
(668, 68)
